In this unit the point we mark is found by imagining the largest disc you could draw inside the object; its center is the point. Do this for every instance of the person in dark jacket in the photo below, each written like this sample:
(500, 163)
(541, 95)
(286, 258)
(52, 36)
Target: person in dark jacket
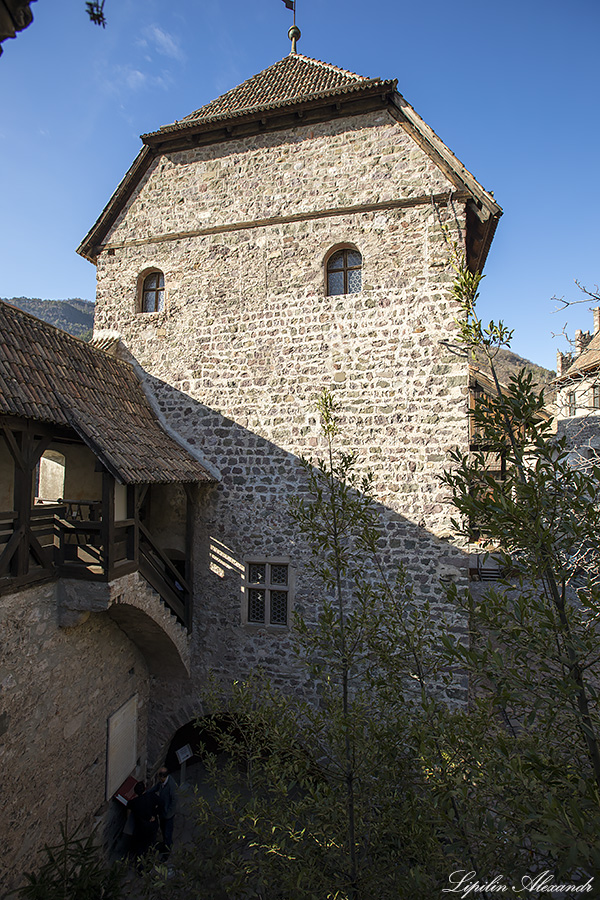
(144, 810)
(165, 792)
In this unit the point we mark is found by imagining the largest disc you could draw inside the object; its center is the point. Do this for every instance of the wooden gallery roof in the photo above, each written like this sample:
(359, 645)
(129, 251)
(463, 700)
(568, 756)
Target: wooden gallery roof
(51, 377)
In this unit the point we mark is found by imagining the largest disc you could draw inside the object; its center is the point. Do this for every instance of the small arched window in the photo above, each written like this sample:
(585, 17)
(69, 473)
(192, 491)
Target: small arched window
(153, 292)
(344, 272)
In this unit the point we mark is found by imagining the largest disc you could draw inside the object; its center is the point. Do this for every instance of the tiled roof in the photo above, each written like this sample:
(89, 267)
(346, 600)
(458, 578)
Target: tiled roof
(49, 376)
(293, 79)
(310, 88)
(589, 359)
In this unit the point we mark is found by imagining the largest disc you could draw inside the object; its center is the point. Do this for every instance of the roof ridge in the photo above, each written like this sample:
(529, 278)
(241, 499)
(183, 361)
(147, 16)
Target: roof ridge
(226, 93)
(314, 64)
(334, 68)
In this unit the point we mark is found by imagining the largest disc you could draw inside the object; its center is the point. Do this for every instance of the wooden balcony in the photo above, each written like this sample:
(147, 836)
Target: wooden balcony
(73, 539)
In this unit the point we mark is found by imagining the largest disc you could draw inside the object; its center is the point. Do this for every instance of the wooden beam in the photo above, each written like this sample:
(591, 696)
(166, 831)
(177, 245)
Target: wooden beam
(23, 499)
(133, 532)
(165, 559)
(142, 490)
(13, 447)
(11, 549)
(309, 215)
(108, 520)
(39, 552)
(38, 451)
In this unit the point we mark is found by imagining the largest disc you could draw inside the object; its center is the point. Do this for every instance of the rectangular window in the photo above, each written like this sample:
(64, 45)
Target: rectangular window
(267, 593)
(572, 403)
(596, 396)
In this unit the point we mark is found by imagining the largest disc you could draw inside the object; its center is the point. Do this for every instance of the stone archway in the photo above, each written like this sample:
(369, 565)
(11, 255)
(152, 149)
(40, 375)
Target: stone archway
(164, 728)
(139, 611)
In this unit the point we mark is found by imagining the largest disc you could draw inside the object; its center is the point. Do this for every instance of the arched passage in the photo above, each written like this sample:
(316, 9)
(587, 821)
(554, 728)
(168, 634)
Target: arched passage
(199, 735)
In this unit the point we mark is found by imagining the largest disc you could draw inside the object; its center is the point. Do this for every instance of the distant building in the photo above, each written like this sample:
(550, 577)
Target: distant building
(578, 396)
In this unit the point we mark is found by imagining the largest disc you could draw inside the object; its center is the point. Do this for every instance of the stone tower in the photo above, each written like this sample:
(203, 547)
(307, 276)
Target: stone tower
(292, 235)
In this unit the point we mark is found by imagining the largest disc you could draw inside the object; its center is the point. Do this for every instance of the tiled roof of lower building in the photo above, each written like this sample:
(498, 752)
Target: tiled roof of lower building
(48, 376)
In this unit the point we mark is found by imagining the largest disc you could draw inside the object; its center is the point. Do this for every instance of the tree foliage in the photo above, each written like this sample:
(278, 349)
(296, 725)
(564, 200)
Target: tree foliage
(361, 781)
(95, 11)
(74, 869)
(534, 650)
(351, 790)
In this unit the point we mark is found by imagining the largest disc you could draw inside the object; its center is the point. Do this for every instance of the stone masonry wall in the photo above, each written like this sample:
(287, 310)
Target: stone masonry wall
(248, 339)
(582, 430)
(58, 686)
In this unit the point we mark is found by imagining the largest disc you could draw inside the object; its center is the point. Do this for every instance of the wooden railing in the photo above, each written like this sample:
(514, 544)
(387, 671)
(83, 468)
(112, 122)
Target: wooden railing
(58, 542)
(165, 577)
(27, 548)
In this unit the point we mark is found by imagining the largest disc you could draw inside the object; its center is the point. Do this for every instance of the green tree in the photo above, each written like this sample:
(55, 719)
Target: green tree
(534, 650)
(372, 785)
(74, 869)
(350, 792)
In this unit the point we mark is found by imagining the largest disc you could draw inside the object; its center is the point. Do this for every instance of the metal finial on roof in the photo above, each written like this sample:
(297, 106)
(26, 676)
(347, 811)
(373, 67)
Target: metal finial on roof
(294, 35)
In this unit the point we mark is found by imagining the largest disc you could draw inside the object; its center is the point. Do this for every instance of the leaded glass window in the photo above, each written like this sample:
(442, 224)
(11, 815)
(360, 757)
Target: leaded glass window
(344, 272)
(279, 601)
(153, 293)
(267, 593)
(256, 605)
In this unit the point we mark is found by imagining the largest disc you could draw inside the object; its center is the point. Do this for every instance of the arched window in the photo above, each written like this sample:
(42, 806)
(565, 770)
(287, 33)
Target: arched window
(153, 292)
(344, 272)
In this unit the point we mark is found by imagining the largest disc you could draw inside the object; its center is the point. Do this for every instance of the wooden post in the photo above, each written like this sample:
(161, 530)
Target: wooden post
(133, 534)
(23, 489)
(108, 521)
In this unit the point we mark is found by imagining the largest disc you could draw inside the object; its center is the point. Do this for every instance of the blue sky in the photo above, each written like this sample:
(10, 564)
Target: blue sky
(511, 87)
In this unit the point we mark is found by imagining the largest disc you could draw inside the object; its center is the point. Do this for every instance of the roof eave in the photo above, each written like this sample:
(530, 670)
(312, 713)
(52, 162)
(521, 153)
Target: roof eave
(577, 372)
(342, 95)
(484, 212)
(91, 244)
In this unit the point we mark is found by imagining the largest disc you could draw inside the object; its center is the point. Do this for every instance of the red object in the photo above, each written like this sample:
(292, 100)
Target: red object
(126, 792)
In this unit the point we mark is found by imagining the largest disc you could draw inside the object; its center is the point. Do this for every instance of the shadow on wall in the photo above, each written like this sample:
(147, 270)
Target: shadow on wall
(248, 552)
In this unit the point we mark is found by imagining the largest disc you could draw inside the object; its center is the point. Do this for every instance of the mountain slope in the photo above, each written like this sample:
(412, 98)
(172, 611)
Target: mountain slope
(508, 364)
(75, 316)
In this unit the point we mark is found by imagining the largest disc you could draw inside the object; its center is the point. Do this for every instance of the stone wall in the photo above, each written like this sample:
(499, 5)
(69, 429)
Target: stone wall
(58, 686)
(581, 425)
(249, 338)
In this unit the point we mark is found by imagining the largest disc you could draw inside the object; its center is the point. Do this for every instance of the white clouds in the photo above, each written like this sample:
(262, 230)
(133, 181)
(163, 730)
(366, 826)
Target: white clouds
(162, 42)
(131, 79)
(149, 64)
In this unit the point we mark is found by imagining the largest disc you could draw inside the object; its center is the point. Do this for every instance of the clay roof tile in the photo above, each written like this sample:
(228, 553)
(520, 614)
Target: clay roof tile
(50, 376)
(293, 79)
